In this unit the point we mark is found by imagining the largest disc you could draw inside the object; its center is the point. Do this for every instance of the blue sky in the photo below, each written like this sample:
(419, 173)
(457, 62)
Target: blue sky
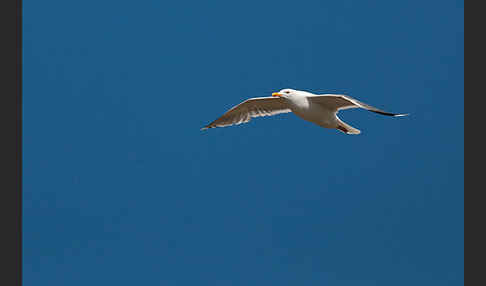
(122, 188)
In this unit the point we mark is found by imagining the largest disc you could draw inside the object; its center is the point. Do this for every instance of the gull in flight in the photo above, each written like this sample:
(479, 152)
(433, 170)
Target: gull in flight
(320, 109)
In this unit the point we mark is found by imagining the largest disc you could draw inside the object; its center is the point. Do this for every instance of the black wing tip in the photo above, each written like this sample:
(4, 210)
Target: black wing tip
(402, 114)
(391, 114)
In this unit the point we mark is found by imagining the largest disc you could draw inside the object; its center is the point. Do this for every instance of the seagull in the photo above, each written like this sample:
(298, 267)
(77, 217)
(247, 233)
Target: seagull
(320, 109)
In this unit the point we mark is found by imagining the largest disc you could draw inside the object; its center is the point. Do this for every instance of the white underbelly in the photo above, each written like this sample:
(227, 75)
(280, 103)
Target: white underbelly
(317, 115)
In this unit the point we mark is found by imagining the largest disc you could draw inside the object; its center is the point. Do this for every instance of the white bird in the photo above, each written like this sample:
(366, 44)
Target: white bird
(320, 109)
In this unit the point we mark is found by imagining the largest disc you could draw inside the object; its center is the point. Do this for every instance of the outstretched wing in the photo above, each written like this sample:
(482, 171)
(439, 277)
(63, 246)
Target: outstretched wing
(337, 102)
(253, 107)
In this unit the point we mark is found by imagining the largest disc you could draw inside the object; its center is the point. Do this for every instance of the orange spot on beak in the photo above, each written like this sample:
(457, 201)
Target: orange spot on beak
(276, 94)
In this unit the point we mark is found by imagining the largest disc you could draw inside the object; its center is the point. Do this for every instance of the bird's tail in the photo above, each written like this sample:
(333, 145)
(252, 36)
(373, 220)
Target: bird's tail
(346, 128)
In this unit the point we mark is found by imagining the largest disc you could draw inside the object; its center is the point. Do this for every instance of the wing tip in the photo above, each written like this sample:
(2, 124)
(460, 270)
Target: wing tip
(403, 114)
(388, 113)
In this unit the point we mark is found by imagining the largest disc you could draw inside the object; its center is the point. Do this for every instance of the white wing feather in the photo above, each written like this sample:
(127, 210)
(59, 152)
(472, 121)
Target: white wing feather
(253, 107)
(338, 102)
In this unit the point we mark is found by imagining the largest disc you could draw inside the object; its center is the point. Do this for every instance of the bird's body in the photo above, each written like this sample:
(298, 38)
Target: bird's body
(319, 109)
(305, 108)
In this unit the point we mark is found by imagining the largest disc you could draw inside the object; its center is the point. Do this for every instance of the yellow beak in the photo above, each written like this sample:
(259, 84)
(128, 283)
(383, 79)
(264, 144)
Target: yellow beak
(276, 94)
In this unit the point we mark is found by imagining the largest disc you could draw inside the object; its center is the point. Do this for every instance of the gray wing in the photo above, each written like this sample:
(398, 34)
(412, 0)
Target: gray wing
(338, 102)
(253, 107)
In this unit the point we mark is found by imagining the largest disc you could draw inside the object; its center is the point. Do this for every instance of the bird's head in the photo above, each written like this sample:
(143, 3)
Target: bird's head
(287, 93)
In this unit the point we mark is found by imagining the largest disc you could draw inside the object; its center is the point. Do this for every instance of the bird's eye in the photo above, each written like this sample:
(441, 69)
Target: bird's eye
(287, 92)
